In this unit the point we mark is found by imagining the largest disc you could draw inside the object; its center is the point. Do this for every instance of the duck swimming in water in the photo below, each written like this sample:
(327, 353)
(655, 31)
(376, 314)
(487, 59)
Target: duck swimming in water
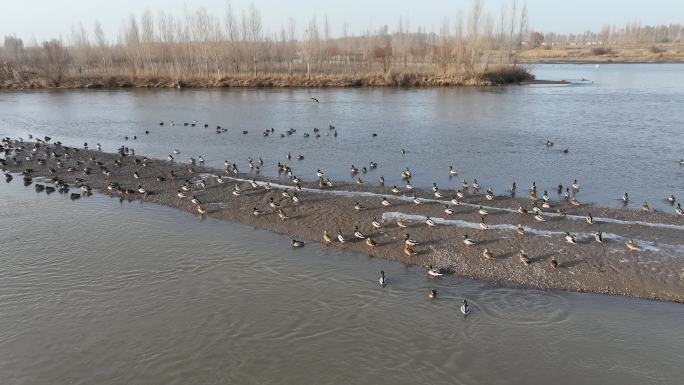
(385, 202)
(358, 234)
(465, 309)
(296, 243)
(679, 209)
(430, 222)
(432, 294)
(452, 171)
(383, 279)
(448, 211)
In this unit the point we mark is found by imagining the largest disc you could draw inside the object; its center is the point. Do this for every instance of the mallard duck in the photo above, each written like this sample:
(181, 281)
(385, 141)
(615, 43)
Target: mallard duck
(256, 212)
(395, 190)
(201, 210)
(574, 202)
(452, 171)
(448, 210)
(358, 206)
(273, 204)
(671, 198)
(481, 210)
(476, 185)
(430, 222)
(434, 187)
(375, 223)
(370, 243)
(433, 272)
(465, 309)
(406, 174)
(625, 197)
(408, 251)
(679, 209)
(521, 210)
(560, 213)
(326, 237)
(409, 187)
(570, 238)
(575, 185)
(295, 198)
(141, 190)
(546, 205)
(401, 223)
(296, 243)
(136, 175)
(520, 229)
(381, 180)
(483, 225)
(417, 201)
(489, 195)
(467, 241)
(319, 173)
(554, 263)
(236, 193)
(383, 279)
(408, 241)
(545, 197)
(385, 202)
(632, 245)
(645, 208)
(460, 194)
(488, 256)
(464, 184)
(358, 234)
(523, 258)
(590, 219)
(438, 195)
(432, 294)
(195, 201)
(282, 215)
(340, 237)
(539, 218)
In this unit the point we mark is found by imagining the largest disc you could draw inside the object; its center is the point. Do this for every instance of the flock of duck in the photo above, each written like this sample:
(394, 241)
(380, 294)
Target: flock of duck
(15, 152)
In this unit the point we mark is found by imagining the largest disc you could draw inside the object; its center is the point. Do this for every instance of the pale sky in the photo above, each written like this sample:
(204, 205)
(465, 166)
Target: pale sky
(43, 19)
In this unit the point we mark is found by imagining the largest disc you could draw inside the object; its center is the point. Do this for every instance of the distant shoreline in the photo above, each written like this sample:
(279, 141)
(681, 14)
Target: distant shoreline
(495, 77)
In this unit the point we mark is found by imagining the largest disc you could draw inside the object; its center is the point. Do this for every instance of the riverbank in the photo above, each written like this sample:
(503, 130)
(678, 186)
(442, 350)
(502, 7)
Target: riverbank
(494, 77)
(654, 272)
(579, 54)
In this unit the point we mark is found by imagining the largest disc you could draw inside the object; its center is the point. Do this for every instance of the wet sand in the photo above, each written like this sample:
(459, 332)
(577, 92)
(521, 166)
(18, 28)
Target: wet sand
(654, 272)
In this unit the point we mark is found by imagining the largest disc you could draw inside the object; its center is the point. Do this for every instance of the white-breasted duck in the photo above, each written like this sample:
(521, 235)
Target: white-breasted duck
(467, 241)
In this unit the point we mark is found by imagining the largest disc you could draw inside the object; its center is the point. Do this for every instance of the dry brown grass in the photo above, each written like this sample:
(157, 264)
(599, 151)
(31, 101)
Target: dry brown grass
(496, 76)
